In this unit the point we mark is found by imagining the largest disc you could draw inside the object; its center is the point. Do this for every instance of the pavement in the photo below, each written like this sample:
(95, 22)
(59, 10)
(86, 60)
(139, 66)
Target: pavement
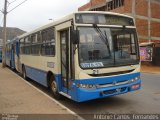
(149, 68)
(18, 97)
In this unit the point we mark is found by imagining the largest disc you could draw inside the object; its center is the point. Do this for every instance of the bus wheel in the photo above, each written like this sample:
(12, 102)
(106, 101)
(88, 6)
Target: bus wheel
(54, 88)
(24, 73)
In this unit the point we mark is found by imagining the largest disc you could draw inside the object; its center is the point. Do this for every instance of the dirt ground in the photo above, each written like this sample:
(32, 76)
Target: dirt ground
(148, 68)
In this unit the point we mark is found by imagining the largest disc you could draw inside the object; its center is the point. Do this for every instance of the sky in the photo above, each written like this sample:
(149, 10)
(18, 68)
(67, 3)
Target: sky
(35, 13)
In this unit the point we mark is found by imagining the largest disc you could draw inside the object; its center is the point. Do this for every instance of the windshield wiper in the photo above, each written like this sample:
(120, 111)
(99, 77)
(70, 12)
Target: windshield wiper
(103, 37)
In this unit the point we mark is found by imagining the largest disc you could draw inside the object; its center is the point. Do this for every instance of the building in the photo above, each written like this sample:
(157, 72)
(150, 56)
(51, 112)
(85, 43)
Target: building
(145, 12)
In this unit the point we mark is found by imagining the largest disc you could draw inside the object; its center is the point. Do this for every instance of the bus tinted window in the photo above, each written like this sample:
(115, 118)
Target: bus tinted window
(39, 43)
(35, 49)
(33, 38)
(48, 42)
(39, 37)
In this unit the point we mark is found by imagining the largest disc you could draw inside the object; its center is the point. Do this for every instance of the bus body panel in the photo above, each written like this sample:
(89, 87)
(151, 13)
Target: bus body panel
(40, 62)
(37, 75)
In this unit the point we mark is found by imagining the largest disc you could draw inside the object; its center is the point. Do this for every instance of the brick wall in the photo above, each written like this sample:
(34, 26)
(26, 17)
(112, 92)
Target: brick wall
(127, 6)
(155, 23)
(155, 10)
(96, 2)
(147, 20)
(155, 29)
(119, 10)
(90, 4)
(141, 7)
(142, 27)
(85, 7)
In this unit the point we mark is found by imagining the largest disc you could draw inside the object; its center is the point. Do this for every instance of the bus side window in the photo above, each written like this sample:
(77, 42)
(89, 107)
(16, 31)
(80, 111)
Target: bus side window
(35, 45)
(22, 46)
(48, 42)
(43, 42)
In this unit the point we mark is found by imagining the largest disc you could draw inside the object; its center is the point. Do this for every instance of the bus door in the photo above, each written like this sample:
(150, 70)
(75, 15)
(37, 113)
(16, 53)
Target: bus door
(12, 56)
(17, 62)
(65, 56)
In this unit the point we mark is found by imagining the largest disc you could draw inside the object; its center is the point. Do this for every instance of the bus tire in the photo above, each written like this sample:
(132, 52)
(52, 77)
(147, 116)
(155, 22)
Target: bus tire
(54, 88)
(24, 73)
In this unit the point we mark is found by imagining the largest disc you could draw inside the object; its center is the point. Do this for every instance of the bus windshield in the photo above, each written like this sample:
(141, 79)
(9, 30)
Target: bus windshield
(101, 47)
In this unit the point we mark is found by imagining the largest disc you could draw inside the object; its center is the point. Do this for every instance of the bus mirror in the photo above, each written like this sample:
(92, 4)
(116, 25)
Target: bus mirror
(74, 36)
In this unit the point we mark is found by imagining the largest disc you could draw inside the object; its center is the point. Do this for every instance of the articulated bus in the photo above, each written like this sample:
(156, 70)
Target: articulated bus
(83, 56)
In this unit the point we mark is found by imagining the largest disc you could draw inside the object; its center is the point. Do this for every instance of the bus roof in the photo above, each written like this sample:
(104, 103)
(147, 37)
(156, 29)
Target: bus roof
(69, 17)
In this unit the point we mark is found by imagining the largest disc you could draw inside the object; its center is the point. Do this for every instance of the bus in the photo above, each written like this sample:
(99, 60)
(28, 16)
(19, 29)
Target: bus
(12, 53)
(83, 56)
(0, 53)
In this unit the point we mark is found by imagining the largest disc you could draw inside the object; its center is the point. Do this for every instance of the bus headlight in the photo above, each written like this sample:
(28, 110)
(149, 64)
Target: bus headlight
(86, 86)
(134, 79)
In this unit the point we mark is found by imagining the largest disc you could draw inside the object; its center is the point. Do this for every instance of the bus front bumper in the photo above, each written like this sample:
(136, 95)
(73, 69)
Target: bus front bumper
(90, 94)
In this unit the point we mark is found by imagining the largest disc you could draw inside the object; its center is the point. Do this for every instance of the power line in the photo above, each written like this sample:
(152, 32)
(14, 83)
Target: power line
(14, 7)
(4, 27)
(17, 5)
(12, 2)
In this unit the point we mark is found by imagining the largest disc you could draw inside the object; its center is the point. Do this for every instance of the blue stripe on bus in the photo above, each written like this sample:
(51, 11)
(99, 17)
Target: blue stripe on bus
(40, 76)
(37, 75)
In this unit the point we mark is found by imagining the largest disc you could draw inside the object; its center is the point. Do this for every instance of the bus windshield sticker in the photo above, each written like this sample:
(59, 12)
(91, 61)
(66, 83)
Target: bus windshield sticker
(90, 65)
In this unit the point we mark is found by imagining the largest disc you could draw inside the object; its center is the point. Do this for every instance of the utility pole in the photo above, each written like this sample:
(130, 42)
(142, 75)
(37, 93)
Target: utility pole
(4, 35)
(5, 12)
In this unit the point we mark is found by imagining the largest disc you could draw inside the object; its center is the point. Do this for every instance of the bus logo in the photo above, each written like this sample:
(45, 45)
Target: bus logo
(114, 83)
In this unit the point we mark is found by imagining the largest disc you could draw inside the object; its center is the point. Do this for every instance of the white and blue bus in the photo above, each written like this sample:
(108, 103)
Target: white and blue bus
(83, 56)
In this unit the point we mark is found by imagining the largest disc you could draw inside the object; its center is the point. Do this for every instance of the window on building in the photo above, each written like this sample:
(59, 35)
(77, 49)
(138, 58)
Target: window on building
(113, 4)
